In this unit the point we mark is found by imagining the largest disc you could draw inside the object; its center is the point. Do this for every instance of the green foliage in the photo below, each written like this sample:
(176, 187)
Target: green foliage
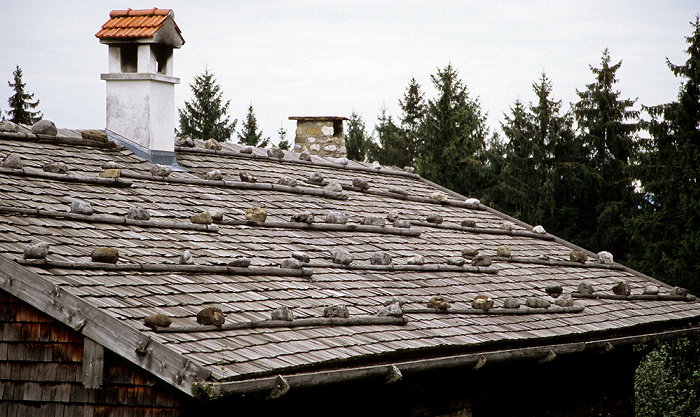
(390, 148)
(452, 152)
(284, 144)
(250, 134)
(607, 128)
(667, 381)
(357, 141)
(666, 231)
(20, 102)
(205, 116)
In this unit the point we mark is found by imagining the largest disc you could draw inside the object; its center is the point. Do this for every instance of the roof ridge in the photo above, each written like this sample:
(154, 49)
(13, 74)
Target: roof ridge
(140, 12)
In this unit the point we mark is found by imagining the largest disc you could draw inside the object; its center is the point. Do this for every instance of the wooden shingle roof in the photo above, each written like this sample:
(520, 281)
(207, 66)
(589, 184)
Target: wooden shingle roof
(108, 302)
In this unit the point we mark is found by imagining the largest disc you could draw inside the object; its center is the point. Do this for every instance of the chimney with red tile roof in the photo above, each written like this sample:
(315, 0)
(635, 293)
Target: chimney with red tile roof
(140, 81)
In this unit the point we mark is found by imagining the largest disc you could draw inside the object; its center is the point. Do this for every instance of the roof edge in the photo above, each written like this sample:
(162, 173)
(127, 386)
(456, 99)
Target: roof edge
(120, 338)
(392, 372)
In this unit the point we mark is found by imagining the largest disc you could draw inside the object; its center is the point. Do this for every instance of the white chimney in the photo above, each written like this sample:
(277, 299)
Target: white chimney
(140, 82)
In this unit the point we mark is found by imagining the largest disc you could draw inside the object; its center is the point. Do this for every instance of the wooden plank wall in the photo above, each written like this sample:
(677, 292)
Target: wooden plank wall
(41, 372)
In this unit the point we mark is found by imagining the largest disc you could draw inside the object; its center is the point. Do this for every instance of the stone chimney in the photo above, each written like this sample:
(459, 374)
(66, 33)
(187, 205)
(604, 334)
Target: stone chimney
(320, 135)
(140, 81)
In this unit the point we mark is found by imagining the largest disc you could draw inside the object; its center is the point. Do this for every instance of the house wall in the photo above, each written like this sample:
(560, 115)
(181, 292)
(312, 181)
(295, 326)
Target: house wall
(41, 372)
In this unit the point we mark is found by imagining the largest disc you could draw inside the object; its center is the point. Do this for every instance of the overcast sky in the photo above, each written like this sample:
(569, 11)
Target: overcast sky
(328, 58)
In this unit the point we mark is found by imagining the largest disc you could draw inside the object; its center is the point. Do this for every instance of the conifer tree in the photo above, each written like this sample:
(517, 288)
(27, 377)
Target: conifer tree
(452, 152)
(390, 148)
(413, 113)
(20, 102)
(284, 144)
(205, 116)
(357, 141)
(667, 231)
(250, 134)
(608, 126)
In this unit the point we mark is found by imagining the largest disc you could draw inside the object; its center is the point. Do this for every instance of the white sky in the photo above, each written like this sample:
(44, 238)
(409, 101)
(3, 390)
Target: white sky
(316, 58)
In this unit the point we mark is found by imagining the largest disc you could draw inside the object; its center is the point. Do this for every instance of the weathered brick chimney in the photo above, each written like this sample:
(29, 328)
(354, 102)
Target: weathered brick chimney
(320, 135)
(140, 81)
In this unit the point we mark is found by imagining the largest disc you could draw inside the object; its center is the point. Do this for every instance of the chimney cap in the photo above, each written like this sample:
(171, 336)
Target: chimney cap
(317, 118)
(149, 25)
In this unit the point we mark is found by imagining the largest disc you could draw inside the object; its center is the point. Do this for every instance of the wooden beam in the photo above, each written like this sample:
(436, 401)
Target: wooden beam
(310, 322)
(553, 309)
(106, 330)
(35, 173)
(388, 230)
(93, 363)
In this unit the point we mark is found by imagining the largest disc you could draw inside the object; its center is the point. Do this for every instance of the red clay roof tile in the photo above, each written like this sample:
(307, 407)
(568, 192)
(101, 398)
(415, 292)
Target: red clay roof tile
(133, 24)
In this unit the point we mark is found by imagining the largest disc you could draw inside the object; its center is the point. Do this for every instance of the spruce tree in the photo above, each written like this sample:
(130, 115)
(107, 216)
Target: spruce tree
(390, 148)
(357, 141)
(607, 125)
(667, 231)
(452, 152)
(284, 144)
(250, 134)
(205, 116)
(20, 102)
(413, 113)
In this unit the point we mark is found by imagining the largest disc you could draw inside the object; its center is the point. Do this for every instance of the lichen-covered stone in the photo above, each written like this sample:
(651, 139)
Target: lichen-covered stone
(504, 251)
(360, 183)
(96, 135)
(380, 258)
(333, 187)
(578, 256)
(138, 213)
(439, 303)
(303, 217)
(37, 250)
(316, 178)
(305, 156)
(106, 255)
(341, 161)
(472, 202)
(158, 170)
(211, 316)
(651, 290)
(536, 302)
(622, 288)
(376, 165)
(402, 224)
(585, 288)
(539, 230)
(481, 260)
(511, 302)
(468, 223)
(433, 218)
(246, 150)
(438, 196)
(8, 126)
(337, 310)
(301, 256)
(275, 152)
(110, 173)
(81, 207)
(216, 215)
(469, 253)
(482, 302)
(372, 221)
(202, 218)
(185, 142)
(509, 226)
(341, 256)
(554, 290)
(398, 190)
(56, 167)
(336, 217)
(214, 175)
(12, 161)
(605, 257)
(256, 214)
(186, 258)
(246, 177)
(282, 313)
(416, 260)
(457, 261)
(291, 263)
(212, 143)
(111, 165)
(157, 320)
(240, 262)
(393, 309)
(408, 169)
(45, 127)
(392, 215)
(288, 181)
(678, 292)
(565, 300)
